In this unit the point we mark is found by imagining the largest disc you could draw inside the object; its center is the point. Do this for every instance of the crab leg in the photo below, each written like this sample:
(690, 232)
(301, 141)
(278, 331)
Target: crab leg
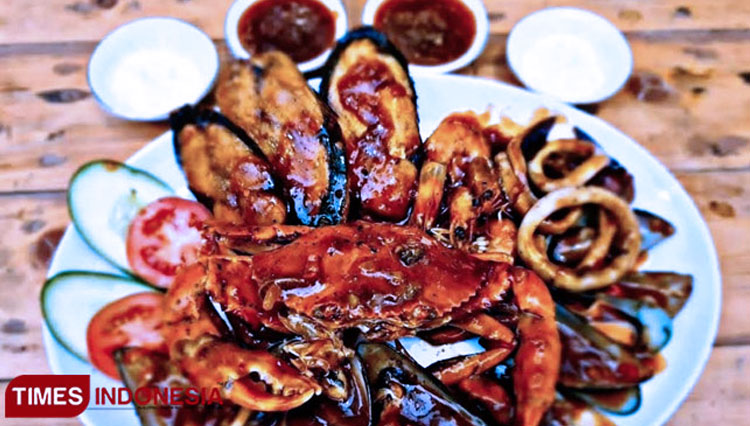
(252, 239)
(251, 378)
(484, 325)
(491, 394)
(538, 356)
(457, 370)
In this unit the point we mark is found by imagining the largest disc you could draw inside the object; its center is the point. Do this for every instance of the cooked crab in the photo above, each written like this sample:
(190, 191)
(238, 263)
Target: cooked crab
(383, 281)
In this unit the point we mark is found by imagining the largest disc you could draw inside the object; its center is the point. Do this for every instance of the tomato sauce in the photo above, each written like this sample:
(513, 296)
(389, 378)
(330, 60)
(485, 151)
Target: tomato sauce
(303, 29)
(427, 32)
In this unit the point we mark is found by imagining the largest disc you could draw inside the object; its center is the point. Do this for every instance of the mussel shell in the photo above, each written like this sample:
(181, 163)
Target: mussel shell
(268, 97)
(621, 401)
(384, 46)
(654, 229)
(667, 290)
(615, 177)
(202, 118)
(426, 401)
(534, 138)
(335, 204)
(652, 324)
(569, 411)
(356, 410)
(590, 360)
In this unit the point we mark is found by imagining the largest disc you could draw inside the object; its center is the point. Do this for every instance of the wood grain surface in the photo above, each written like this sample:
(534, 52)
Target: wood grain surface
(696, 121)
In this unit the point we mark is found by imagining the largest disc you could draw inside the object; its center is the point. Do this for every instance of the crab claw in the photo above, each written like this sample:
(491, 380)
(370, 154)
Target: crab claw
(253, 379)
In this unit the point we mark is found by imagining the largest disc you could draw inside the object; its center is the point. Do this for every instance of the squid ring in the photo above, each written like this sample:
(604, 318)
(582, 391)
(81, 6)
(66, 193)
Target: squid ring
(627, 245)
(576, 177)
(600, 247)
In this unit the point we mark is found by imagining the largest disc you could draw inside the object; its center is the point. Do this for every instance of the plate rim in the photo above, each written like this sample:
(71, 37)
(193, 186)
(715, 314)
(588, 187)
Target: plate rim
(573, 115)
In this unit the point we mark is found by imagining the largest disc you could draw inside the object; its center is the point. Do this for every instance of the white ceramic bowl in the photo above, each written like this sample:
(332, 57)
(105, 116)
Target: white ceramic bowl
(572, 54)
(477, 46)
(239, 7)
(148, 67)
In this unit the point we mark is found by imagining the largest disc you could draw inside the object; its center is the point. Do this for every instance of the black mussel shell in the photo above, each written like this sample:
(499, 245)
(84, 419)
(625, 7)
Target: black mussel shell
(202, 118)
(356, 410)
(590, 360)
(570, 411)
(667, 290)
(379, 39)
(654, 229)
(425, 401)
(534, 138)
(621, 401)
(615, 177)
(334, 206)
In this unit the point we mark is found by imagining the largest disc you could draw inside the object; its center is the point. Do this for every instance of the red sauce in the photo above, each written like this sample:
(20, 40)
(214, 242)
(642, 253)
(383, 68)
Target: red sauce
(427, 32)
(303, 29)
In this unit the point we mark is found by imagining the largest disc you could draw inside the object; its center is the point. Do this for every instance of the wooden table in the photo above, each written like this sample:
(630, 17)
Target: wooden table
(698, 124)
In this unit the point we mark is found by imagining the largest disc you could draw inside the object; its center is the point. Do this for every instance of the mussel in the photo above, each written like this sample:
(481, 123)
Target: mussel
(355, 410)
(403, 393)
(269, 99)
(591, 360)
(367, 83)
(225, 169)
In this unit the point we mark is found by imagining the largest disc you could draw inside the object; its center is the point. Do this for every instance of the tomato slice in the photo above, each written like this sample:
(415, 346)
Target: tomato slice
(165, 235)
(133, 321)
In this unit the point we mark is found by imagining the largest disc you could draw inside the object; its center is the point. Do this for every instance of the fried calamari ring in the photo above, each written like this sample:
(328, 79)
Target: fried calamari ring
(581, 174)
(600, 247)
(627, 241)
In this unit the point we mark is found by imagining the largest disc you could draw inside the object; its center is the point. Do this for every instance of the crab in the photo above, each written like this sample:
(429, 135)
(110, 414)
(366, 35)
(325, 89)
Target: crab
(293, 309)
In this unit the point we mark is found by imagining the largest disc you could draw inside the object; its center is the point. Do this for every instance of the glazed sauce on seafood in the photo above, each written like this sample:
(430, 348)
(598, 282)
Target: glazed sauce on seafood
(303, 29)
(428, 32)
(360, 93)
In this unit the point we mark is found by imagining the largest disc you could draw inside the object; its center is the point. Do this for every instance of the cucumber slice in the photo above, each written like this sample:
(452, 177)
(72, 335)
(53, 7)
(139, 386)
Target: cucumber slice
(103, 198)
(70, 299)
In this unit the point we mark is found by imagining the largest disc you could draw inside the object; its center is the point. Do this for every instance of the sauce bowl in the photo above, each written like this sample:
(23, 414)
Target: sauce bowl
(477, 9)
(238, 8)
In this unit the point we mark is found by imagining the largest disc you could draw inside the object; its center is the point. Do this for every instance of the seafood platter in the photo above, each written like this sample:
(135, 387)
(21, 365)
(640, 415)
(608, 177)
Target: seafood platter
(375, 248)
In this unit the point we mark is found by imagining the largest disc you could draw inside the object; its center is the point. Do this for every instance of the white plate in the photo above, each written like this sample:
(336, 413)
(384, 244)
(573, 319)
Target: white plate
(573, 54)
(690, 250)
(148, 67)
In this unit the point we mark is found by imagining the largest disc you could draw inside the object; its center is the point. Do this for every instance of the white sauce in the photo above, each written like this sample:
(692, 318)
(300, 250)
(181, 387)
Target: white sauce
(564, 65)
(150, 82)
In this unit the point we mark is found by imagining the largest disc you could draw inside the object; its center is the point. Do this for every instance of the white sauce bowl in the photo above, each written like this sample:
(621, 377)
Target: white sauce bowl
(571, 54)
(238, 8)
(146, 68)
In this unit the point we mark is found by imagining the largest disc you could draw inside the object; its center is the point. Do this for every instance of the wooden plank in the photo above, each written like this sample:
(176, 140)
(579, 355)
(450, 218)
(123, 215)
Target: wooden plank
(75, 20)
(722, 198)
(722, 396)
(24, 220)
(702, 124)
